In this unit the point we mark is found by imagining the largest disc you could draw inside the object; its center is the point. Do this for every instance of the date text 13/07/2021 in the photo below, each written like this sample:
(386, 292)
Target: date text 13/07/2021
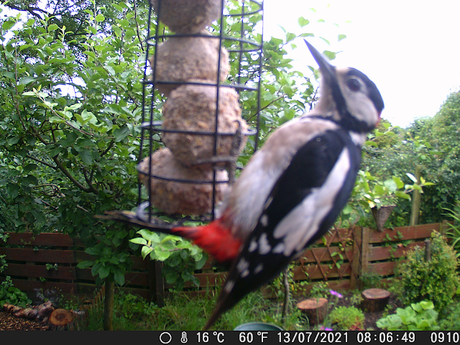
(308, 337)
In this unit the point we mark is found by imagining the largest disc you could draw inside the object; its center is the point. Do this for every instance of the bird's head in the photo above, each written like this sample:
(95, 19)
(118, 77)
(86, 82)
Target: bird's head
(348, 95)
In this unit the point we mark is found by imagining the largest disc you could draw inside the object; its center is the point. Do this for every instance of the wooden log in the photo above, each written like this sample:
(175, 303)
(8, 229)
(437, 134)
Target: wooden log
(39, 312)
(44, 310)
(375, 300)
(315, 309)
(11, 308)
(27, 313)
(61, 317)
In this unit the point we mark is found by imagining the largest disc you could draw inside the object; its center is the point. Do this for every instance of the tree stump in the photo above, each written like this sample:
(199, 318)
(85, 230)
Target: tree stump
(375, 300)
(61, 317)
(315, 309)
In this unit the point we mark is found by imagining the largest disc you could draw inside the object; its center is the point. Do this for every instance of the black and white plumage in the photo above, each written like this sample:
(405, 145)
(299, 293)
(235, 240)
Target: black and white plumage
(294, 188)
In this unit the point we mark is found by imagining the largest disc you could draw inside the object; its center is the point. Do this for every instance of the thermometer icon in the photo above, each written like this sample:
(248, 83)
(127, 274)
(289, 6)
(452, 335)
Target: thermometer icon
(183, 338)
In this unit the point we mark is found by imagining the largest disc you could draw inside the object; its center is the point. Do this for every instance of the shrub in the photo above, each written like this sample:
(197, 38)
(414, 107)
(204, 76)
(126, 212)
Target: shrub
(451, 321)
(435, 280)
(8, 293)
(418, 316)
(347, 318)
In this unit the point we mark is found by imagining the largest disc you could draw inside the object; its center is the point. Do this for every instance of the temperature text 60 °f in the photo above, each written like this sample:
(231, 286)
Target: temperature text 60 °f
(248, 337)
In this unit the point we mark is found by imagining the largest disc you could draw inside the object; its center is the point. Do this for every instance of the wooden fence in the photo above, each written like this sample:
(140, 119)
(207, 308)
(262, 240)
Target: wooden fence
(343, 258)
(49, 261)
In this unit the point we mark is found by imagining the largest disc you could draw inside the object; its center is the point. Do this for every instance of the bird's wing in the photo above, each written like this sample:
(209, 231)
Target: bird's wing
(303, 204)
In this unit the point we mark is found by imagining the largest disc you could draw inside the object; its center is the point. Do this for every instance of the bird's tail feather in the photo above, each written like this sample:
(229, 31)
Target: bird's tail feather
(214, 239)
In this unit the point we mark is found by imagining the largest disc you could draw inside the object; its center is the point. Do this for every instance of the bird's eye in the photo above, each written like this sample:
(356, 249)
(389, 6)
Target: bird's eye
(354, 84)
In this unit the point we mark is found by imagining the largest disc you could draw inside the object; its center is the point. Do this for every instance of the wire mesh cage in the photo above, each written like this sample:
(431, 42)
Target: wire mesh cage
(201, 106)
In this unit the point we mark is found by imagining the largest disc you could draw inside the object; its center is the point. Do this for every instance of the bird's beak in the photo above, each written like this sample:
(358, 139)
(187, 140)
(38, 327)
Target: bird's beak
(327, 70)
(329, 77)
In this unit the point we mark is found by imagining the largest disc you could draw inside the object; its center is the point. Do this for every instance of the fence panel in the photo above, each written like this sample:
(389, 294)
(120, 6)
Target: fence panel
(49, 261)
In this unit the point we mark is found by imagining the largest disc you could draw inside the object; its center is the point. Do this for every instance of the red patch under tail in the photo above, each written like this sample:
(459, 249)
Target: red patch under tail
(213, 238)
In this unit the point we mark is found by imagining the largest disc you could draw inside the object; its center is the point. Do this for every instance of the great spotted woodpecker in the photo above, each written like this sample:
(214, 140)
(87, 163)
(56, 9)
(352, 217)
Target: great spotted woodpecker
(293, 189)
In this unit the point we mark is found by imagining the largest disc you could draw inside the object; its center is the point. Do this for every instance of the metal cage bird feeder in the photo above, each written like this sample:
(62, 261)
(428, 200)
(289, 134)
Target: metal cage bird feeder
(243, 54)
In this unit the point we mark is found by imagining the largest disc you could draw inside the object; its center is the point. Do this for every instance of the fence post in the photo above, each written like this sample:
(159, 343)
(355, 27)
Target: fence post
(364, 251)
(415, 212)
(427, 250)
(156, 283)
(444, 227)
(356, 256)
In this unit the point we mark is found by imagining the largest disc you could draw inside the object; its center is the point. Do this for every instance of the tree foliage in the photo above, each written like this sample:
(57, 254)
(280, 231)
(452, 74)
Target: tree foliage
(69, 138)
(442, 166)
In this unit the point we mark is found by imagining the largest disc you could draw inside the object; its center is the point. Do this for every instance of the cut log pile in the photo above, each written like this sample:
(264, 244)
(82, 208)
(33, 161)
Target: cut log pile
(45, 313)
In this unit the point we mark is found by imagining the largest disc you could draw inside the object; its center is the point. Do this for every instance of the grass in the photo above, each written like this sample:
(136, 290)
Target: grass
(182, 312)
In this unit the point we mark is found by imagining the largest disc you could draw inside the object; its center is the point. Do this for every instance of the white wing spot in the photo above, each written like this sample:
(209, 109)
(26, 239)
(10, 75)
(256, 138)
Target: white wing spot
(258, 268)
(245, 273)
(264, 220)
(264, 246)
(242, 265)
(252, 246)
(229, 285)
(279, 248)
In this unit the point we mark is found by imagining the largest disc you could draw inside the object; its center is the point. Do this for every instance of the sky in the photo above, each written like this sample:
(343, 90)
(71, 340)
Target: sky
(410, 49)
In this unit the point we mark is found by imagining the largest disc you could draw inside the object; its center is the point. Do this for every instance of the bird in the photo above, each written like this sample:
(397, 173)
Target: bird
(293, 189)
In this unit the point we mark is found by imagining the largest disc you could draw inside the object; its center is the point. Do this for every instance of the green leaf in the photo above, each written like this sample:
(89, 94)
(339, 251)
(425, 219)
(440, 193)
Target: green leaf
(52, 27)
(119, 278)
(161, 255)
(88, 117)
(399, 182)
(86, 156)
(427, 305)
(290, 36)
(303, 22)
(8, 24)
(391, 185)
(174, 261)
(95, 251)
(402, 195)
(100, 18)
(56, 119)
(74, 106)
(149, 236)
(121, 133)
(341, 37)
(379, 190)
(85, 264)
(330, 55)
(146, 251)
(13, 190)
(116, 30)
(138, 240)
(13, 140)
(172, 238)
(25, 81)
(103, 271)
